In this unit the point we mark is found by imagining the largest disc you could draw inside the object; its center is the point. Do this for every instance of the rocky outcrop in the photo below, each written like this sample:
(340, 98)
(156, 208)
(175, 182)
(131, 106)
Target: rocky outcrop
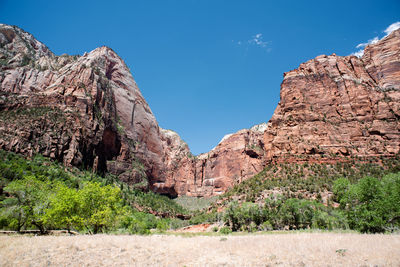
(333, 107)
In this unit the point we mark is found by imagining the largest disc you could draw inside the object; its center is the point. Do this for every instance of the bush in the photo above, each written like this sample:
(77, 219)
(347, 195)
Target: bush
(225, 230)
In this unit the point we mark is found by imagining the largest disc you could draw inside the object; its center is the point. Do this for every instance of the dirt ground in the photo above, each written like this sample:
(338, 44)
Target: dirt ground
(294, 249)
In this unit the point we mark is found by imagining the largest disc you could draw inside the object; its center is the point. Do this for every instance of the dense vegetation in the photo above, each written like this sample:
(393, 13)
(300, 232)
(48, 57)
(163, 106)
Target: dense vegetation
(370, 205)
(44, 195)
(41, 194)
(368, 194)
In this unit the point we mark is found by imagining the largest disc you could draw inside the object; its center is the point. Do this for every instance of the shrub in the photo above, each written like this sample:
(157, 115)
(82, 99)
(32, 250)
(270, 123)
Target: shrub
(225, 230)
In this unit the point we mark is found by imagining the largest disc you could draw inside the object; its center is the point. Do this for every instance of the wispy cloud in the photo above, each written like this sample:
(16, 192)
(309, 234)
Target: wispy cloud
(360, 52)
(371, 41)
(392, 27)
(258, 40)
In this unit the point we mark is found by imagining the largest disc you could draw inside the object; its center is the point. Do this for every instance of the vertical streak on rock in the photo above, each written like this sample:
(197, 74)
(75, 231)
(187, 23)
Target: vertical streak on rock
(203, 164)
(133, 114)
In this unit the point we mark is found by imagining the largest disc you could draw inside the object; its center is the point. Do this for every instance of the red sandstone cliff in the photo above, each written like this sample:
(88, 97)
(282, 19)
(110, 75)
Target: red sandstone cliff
(335, 106)
(238, 156)
(81, 110)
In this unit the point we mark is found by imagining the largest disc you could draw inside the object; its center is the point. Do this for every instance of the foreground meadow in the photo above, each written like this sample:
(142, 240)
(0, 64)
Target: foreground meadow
(292, 249)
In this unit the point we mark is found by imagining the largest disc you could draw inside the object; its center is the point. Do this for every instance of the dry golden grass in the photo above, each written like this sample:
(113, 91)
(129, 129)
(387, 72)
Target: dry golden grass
(298, 249)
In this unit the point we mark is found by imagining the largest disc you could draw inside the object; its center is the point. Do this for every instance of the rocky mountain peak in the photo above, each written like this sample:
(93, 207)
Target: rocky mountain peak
(18, 47)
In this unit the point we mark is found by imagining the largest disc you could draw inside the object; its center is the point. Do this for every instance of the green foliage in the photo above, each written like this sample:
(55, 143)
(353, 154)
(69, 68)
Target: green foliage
(291, 179)
(42, 194)
(25, 60)
(3, 62)
(99, 205)
(205, 217)
(280, 213)
(141, 223)
(225, 230)
(371, 205)
(65, 210)
(243, 217)
(40, 204)
(368, 194)
(13, 166)
(340, 188)
(29, 202)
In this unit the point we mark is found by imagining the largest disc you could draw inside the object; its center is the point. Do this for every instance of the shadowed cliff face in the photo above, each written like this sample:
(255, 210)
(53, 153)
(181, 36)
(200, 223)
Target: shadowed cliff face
(88, 111)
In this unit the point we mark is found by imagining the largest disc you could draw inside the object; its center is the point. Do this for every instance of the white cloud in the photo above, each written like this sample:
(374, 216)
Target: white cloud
(258, 40)
(359, 53)
(392, 27)
(371, 41)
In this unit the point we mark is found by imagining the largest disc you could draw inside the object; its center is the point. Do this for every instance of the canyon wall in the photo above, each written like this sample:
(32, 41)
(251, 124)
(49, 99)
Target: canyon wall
(87, 111)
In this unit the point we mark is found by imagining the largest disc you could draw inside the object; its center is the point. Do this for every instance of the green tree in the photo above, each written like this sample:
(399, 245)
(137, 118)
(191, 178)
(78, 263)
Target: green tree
(65, 208)
(30, 198)
(100, 205)
(340, 189)
(391, 200)
(362, 203)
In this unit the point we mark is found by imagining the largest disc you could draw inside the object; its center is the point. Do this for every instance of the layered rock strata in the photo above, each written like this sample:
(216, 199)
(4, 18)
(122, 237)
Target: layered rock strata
(333, 107)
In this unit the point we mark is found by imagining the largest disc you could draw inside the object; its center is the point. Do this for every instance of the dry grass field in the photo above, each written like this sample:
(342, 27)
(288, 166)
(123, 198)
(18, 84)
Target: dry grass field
(294, 249)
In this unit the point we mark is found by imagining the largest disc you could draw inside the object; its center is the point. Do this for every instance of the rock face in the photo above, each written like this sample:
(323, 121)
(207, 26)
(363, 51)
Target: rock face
(237, 157)
(87, 111)
(81, 110)
(335, 106)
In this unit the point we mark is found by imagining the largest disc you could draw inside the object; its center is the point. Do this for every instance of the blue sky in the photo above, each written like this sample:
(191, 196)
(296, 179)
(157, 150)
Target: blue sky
(206, 68)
